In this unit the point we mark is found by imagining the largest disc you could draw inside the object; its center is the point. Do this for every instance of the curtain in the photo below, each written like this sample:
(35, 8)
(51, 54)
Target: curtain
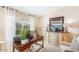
(10, 28)
(32, 23)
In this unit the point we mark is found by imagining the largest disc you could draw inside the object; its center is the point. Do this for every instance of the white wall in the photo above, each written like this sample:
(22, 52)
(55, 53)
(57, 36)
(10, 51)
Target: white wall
(71, 15)
(2, 25)
(71, 18)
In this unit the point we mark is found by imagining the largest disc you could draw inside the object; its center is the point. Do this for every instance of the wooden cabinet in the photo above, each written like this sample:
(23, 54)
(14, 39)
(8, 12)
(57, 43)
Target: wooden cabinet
(65, 37)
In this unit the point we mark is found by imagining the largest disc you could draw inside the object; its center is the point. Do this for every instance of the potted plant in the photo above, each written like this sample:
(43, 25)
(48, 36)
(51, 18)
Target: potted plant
(24, 32)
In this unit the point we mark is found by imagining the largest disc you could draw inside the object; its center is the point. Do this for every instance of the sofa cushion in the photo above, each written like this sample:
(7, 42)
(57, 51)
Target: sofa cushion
(17, 40)
(75, 44)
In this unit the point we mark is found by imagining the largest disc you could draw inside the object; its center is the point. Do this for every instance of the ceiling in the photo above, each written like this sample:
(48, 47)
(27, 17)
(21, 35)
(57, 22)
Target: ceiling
(37, 10)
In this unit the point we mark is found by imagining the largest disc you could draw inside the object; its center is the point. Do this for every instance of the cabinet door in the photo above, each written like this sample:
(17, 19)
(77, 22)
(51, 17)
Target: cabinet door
(66, 37)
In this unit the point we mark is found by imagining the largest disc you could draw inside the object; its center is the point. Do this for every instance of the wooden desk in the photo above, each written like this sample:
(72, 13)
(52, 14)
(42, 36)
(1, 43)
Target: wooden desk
(23, 47)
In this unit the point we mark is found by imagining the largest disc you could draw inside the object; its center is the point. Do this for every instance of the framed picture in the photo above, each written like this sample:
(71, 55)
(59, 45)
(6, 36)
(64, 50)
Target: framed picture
(56, 24)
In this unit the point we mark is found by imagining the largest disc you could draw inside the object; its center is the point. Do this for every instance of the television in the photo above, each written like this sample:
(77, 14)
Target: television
(56, 27)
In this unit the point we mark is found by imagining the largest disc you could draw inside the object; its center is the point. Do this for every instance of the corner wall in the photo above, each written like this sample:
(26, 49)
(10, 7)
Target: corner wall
(2, 24)
(71, 18)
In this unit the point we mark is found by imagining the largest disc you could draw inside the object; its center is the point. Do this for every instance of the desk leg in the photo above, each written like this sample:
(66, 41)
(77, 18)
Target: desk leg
(42, 43)
(13, 49)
